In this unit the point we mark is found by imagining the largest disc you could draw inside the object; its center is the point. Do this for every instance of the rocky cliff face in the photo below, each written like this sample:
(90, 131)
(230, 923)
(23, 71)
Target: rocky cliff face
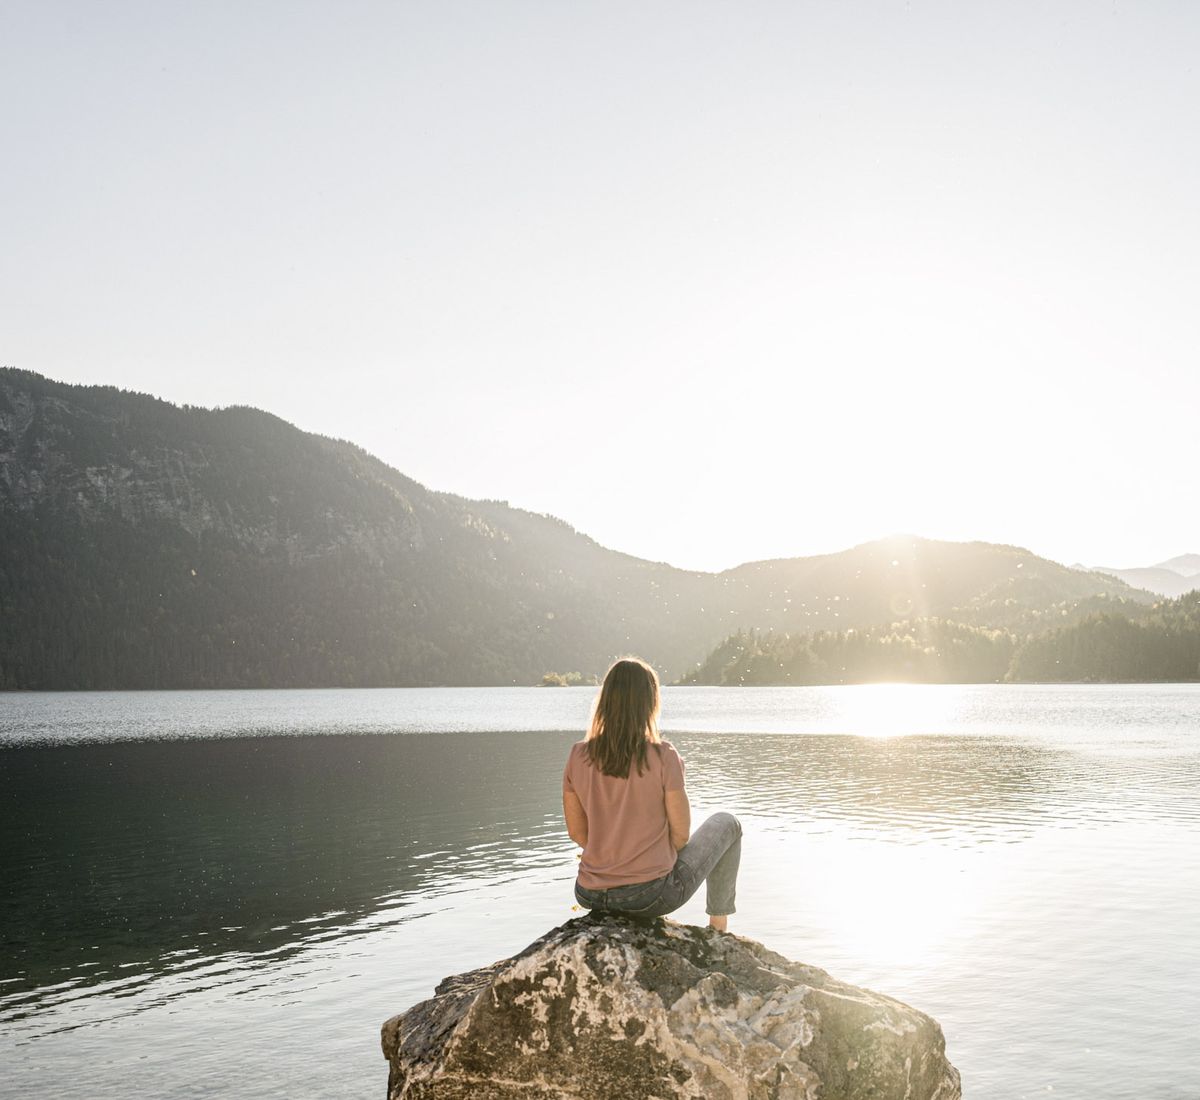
(606, 1008)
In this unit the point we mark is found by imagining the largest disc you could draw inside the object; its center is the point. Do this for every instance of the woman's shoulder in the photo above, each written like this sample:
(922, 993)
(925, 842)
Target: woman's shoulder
(667, 751)
(672, 766)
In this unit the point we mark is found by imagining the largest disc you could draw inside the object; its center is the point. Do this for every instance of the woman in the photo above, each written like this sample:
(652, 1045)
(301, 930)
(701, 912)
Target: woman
(626, 807)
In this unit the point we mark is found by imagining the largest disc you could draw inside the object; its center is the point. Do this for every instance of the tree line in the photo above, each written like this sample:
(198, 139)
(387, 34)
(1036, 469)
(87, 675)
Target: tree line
(1163, 644)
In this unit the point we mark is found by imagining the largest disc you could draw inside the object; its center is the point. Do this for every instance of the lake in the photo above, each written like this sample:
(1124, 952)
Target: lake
(226, 893)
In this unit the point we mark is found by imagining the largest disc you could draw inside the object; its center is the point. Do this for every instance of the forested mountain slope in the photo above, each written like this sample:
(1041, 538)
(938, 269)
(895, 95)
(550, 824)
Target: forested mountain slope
(147, 545)
(1161, 645)
(1127, 643)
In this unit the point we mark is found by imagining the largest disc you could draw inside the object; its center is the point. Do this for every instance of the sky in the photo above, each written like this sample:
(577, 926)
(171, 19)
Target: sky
(712, 282)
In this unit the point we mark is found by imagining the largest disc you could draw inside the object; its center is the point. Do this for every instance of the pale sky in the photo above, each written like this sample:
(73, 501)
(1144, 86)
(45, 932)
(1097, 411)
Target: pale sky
(711, 282)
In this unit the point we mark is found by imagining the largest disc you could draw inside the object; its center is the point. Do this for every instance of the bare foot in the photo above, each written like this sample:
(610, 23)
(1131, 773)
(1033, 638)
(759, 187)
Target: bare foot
(721, 924)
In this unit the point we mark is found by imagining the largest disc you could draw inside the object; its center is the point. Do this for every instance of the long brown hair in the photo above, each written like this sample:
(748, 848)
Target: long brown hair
(625, 718)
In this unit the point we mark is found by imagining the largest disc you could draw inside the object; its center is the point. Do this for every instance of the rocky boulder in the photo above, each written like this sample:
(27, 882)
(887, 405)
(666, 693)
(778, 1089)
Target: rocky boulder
(609, 1008)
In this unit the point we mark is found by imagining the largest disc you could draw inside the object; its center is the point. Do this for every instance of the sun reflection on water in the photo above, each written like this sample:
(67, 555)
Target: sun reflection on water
(891, 907)
(894, 710)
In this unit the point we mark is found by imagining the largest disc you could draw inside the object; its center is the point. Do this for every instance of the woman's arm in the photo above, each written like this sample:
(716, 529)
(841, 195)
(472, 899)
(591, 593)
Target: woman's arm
(577, 823)
(679, 818)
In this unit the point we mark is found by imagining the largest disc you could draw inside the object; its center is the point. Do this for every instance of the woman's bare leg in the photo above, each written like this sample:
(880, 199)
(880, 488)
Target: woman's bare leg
(721, 924)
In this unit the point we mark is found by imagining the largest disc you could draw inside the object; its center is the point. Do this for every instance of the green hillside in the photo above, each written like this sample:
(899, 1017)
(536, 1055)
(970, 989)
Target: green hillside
(147, 545)
(1129, 642)
(1163, 645)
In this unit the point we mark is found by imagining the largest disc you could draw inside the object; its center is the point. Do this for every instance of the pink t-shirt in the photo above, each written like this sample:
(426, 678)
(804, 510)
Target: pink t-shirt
(628, 836)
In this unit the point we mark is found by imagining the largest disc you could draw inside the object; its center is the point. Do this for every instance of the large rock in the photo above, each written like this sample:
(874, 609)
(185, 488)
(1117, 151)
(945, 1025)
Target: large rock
(608, 1008)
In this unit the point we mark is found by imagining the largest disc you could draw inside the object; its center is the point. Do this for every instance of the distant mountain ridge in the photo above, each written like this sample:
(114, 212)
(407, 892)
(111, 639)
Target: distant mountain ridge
(149, 545)
(1186, 565)
(1172, 578)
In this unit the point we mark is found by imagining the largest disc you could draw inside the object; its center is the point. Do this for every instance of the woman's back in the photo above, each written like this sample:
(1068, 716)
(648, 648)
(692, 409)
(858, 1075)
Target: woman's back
(628, 838)
(624, 803)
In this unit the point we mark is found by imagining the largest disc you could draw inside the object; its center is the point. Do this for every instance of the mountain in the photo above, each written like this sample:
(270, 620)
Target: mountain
(902, 577)
(1186, 565)
(1163, 645)
(1169, 578)
(150, 545)
(1132, 643)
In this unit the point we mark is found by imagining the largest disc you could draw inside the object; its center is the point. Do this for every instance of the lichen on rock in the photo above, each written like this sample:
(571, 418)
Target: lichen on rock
(611, 1008)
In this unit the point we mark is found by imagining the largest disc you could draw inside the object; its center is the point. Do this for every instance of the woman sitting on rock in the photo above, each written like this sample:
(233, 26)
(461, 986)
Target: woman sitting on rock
(626, 807)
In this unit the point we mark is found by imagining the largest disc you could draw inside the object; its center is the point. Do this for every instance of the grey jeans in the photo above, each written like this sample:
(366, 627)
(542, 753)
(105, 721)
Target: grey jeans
(712, 855)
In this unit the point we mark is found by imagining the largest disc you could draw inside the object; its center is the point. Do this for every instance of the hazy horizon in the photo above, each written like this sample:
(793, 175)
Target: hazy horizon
(712, 284)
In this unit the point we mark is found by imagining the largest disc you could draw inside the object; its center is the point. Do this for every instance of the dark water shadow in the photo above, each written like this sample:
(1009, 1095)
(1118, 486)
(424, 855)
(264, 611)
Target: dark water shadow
(116, 855)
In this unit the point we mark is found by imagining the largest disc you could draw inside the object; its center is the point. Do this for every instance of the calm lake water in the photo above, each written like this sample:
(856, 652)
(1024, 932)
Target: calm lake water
(226, 893)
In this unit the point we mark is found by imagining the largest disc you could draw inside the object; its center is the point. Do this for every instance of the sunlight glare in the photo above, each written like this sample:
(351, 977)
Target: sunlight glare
(890, 905)
(894, 710)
